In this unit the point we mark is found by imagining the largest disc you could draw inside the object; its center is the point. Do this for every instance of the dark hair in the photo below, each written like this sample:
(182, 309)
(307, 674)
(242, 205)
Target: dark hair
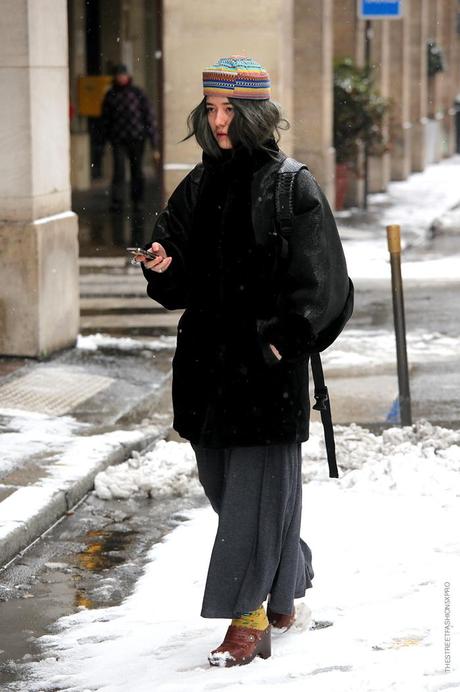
(254, 123)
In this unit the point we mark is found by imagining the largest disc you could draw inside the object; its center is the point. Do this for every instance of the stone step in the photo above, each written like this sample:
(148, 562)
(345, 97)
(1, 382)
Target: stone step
(121, 278)
(113, 290)
(121, 305)
(103, 262)
(152, 324)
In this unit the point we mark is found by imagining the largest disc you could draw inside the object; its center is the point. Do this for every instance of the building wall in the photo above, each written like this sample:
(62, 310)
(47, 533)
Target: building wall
(38, 232)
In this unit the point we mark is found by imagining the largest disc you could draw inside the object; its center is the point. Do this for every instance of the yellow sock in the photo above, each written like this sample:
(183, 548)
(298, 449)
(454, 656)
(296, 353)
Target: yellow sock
(257, 619)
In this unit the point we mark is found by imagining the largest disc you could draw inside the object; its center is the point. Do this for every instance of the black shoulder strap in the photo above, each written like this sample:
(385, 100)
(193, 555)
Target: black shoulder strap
(323, 405)
(284, 205)
(284, 200)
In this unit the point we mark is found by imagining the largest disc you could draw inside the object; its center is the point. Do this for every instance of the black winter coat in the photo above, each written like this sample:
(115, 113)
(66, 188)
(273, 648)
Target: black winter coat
(229, 388)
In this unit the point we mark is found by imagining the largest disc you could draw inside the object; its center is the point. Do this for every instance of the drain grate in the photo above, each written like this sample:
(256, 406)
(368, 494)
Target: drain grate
(53, 390)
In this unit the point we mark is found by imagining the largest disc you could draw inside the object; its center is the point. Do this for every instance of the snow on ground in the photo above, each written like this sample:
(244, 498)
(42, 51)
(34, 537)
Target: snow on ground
(374, 349)
(384, 539)
(413, 204)
(92, 342)
(28, 435)
(370, 260)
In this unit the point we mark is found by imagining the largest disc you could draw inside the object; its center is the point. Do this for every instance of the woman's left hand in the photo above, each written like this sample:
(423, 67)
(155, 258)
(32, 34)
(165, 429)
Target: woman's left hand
(276, 352)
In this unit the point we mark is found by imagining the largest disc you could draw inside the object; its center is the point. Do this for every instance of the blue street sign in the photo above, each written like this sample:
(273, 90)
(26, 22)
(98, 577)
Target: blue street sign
(377, 9)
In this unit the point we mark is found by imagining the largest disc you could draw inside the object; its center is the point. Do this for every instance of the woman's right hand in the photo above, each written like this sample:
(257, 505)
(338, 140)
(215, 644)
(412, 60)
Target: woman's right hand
(160, 263)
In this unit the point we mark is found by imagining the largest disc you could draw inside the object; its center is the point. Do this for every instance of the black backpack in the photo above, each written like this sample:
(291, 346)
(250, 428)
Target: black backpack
(284, 205)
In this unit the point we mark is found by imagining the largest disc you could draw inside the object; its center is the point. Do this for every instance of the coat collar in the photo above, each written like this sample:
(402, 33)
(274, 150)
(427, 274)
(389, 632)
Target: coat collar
(240, 160)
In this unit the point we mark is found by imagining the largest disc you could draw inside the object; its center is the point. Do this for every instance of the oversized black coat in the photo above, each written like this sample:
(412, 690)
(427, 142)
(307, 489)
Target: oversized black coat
(229, 388)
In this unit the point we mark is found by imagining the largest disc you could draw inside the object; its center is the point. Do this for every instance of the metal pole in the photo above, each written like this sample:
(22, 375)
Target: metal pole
(394, 248)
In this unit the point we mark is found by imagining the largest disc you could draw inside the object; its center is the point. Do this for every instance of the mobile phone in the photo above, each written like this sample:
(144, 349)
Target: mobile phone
(140, 251)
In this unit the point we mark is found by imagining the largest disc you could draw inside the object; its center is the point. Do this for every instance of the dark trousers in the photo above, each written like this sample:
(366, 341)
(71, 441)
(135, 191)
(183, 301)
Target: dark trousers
(258, 552)
(134, 151)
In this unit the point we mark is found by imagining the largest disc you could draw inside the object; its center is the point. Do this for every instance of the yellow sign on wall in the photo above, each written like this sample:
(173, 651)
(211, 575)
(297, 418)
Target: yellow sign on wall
(91, 92)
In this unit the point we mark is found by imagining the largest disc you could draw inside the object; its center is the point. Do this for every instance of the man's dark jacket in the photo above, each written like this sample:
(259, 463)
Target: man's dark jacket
(127, 116)
(229, 388)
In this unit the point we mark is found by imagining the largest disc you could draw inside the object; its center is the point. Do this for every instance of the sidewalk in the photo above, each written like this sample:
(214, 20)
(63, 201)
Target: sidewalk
(64, 420)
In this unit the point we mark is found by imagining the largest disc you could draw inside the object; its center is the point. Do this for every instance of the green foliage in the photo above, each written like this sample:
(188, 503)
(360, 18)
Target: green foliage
(359, 111)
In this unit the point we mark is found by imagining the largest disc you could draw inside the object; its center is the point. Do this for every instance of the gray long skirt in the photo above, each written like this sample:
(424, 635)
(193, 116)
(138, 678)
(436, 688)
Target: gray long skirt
(258, 552)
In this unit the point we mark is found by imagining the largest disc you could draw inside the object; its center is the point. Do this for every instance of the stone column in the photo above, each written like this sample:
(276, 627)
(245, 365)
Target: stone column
(418, 82)
(349, 32)
(456, 52)
(80, 157)
(436, 86)
(400, 125)
(349, 42)
(313, 104)
(451, 88)
(38, 232)
(380, 166)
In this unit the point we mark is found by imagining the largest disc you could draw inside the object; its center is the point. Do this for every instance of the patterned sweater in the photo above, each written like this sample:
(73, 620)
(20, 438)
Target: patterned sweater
(127, 115)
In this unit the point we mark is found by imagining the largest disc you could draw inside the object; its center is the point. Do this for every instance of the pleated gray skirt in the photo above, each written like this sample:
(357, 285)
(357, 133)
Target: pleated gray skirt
(258, 552)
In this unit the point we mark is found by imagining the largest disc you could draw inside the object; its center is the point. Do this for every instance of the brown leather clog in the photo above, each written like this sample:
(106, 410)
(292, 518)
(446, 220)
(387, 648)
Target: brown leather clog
(240, 646)
(279, 620)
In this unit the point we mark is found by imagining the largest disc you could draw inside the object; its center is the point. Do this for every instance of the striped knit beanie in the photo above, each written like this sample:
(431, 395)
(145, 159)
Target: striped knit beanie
(237, 77)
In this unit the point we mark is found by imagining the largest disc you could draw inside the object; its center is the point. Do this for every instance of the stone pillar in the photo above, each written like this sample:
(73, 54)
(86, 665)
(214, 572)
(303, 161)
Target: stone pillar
(80, 156)
(349, 42)
(349, 32)
(313, 103)
(418, 82)
(400, 125)
(380, 166)
(38, 232)
(456, 52)
(451, 88)
(436, 85)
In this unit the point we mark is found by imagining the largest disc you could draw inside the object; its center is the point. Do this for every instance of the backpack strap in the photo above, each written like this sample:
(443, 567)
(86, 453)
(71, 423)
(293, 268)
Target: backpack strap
(284, 206)
(284, 200)
(323, 405)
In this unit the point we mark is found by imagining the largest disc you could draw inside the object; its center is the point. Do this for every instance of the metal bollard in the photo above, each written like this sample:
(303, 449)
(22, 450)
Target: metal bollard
(394, 247)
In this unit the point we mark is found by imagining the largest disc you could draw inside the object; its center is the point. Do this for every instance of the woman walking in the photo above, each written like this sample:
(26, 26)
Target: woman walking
(240, 370)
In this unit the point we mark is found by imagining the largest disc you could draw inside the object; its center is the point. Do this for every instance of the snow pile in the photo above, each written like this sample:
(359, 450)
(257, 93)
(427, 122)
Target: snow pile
(447, 223)
(168, 470)
(93, 342)
(422, 459)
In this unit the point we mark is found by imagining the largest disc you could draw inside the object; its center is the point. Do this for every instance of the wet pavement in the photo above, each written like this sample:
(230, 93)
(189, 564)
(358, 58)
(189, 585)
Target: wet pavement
(90, 559)
(102, 233)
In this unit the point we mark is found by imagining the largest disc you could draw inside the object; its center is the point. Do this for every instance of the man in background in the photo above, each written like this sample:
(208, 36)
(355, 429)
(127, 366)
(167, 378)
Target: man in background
(127, 121)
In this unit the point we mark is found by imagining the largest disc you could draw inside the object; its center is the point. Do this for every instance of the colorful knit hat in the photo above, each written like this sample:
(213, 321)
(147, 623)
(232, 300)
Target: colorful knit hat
(237, 77)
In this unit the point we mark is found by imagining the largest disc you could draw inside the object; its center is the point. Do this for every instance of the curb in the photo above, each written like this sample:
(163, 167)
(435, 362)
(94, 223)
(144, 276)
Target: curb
(31, 510)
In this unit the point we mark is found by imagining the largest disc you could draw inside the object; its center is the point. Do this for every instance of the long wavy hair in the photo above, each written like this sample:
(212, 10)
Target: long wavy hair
(253, 125)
